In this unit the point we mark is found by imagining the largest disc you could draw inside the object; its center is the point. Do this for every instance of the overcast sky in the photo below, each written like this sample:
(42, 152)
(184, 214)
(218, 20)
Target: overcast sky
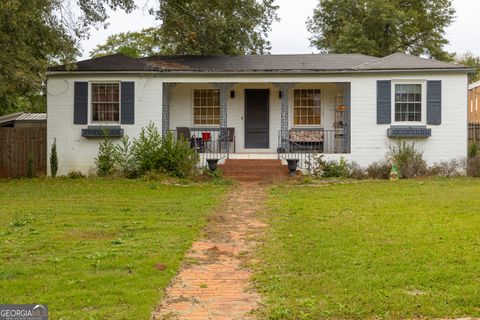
(290, 35)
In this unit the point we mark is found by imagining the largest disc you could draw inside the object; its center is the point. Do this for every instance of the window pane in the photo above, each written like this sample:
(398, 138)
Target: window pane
(307, 106)
(408, 106)
(206, 104)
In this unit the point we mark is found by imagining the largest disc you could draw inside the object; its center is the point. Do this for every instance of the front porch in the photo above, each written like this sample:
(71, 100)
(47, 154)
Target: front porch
(259, 120)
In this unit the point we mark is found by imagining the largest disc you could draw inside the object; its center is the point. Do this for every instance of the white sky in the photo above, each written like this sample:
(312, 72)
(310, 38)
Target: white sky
(290, 35)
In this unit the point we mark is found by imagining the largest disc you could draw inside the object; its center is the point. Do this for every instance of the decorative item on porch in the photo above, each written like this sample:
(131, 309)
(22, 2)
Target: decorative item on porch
(292, 166)
(212, 164)
(394, 174)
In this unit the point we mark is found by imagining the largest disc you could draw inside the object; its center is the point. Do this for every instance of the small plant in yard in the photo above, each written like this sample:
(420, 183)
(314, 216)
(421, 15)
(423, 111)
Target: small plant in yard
(124, 158)
(177, 157)
(105, 161)
(54, 159)
(75, 175)
(451, 168)
(408, 160)
(472, 150)
(379, 170)
(147, 149)
(152, 152)
(30, 167)
(330, 168)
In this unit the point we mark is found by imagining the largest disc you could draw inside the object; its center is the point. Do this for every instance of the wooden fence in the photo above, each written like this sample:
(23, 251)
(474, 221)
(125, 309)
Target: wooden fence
(17, 146)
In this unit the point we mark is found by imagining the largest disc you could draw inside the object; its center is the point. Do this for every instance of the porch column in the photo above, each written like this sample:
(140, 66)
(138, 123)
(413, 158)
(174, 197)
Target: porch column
(224, 88)
(284, 87)
(346, 87)
(166, 91)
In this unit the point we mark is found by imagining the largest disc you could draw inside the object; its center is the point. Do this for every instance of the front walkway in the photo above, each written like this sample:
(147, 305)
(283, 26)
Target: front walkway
(215, 284)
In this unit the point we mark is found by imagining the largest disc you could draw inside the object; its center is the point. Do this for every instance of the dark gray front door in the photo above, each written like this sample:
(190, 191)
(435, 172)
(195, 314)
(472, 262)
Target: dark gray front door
(256, 118)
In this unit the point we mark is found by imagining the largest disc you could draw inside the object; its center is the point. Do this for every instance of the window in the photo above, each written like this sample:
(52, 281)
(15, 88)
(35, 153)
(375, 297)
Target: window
(408, 102)
(105, 102)
(206, 107)
(306, 107)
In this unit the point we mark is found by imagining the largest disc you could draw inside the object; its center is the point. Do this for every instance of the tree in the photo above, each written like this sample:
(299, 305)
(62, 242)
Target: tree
(470, 60)
(379, 28)
(133, 44)
(36, 33)
(215, 27)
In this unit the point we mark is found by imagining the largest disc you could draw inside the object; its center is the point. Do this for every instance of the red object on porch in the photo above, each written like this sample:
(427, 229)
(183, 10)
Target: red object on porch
(206, 136)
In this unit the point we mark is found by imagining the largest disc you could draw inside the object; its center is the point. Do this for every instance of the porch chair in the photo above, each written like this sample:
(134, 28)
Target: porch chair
(306, 139)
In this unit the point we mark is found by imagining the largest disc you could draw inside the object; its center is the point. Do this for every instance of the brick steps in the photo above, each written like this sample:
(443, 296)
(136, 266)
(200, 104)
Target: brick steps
(254, 170)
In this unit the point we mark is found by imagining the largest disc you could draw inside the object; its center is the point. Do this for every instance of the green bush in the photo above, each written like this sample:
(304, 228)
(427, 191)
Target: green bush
(177, 157)
(472, 150)
(75, 175)
(329, 168)
(124, 158)
(105, 161)
(408, 160)
(147, 149)
(30, 168)
(54, 159)
(166, 154)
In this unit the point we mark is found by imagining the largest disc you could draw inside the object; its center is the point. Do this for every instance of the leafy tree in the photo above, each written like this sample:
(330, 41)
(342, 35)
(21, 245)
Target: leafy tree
(472, 61)
(215, 27)
(380, 28)
(35, 33)
(133, 44)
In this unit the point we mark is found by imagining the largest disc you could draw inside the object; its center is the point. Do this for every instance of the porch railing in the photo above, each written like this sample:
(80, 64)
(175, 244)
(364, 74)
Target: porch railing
(208, 143)
(333, 142)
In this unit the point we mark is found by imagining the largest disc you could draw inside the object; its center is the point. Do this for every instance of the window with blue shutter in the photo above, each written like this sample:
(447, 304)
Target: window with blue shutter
(384, 102)
(434, 102)
(127, 102)
(80, 103)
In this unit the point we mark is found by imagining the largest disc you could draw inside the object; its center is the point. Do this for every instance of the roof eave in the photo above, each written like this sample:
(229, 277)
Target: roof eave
(213, 72)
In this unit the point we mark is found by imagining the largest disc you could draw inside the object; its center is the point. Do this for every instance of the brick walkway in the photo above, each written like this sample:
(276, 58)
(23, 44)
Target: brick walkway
(215, 284)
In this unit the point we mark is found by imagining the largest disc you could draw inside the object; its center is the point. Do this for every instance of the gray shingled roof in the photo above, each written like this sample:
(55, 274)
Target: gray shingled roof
(263, 63)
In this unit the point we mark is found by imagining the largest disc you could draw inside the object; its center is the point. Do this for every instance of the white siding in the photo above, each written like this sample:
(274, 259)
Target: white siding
(369, 141)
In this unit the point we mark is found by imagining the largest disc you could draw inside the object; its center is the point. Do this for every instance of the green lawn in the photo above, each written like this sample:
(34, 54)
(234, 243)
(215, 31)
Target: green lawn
(406, 249)
(90, 248)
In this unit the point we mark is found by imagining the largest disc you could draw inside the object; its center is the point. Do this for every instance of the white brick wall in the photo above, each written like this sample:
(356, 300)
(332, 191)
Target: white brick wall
(369, 140)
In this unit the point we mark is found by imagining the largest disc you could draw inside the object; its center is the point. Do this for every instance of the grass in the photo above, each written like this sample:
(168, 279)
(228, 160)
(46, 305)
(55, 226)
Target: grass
(94, 248)
(391, 250)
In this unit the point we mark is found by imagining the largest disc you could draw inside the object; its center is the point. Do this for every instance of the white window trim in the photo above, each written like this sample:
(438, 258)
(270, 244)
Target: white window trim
(306, 126)
(423, 83)
(192, 110)
(90, 105)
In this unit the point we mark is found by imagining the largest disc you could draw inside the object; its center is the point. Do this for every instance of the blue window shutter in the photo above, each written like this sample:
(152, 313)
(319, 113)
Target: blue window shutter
(80, 102)
(384, 101)
(434, 102)
(127, 103)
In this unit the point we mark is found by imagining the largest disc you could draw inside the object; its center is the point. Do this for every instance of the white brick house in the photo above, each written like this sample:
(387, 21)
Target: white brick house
(350, 106)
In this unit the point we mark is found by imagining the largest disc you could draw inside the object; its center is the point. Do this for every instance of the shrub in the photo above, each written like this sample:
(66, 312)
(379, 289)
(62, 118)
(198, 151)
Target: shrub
(54, 159)
(169, 155)
(472, 150)
(147, 149)
(329, 168)
(105, 161)
(473, 167)
(124, 158)
(379, 170)
(451, 168)
(30, 168)
(408, 160)
(75, 175)
(177, 157)
(355, 171)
